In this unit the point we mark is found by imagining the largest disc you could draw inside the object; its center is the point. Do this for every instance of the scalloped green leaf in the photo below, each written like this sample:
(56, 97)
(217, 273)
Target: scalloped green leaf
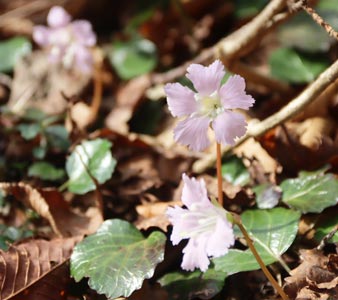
(45, 171)
(93, 156)
(191, 285)
(117, 258)
(11, 50)
(291, 66)
(326, 227)
(296, 32)
(234, 171)
(133, 58)
(310, 192)
(273, 231)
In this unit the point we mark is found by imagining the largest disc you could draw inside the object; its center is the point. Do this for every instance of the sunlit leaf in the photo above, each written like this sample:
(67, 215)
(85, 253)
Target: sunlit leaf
(45, 171)
(273, 231)
(184, 285)
(117, 258)
(289, 65)
(11, 50)
(133, 58)
(310, 192)
(235, 172)
(93, 156)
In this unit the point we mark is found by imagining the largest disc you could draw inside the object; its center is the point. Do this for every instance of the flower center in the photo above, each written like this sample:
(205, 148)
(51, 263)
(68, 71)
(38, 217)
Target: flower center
(210, 105)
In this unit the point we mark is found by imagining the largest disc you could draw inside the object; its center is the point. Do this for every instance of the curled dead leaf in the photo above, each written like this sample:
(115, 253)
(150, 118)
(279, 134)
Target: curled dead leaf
(49, 204)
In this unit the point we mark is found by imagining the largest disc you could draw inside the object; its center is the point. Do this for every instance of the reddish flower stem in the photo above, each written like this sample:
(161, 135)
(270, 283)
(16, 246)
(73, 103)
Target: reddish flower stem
(219, 174)
(265, 270)
(238, 222)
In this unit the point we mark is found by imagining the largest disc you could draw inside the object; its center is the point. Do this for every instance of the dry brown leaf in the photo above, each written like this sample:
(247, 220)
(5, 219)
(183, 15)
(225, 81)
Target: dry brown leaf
(49, 204)
(127, 100)
(37, 84)
(312, 279)
(24, 264)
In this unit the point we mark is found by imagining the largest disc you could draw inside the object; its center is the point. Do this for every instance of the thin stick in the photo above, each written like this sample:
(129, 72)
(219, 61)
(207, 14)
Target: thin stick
(265, 270)
(219, 173)
(319, 20)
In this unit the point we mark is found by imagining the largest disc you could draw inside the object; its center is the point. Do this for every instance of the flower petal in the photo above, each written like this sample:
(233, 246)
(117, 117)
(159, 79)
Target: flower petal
(194, 192)
(58, 17)
(233, 94)
(206, 80)
(83, 59)
(228, 126)
(41, 35)
(84, 33)
(193, 132)
(180, 99)
(195, 255)
(221, 239)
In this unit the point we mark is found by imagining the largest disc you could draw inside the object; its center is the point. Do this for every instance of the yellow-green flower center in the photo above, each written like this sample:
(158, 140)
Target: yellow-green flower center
(210, 105)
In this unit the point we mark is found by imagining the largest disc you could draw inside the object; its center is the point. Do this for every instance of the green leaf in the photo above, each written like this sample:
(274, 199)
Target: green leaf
(10, 234)
(57, 136)
(117, 258)
(303, 33)
(184, 285)
(94, 156)
(235, 172)
(248, 8)
(133, 58)
(29, 131)
(267, 195)
(310, 192)
(291, 66)
(325, 228)
(273, 231)
(45, 171)
(11, 50)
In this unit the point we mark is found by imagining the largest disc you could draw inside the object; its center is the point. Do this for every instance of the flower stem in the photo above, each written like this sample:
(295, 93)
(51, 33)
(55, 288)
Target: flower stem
(265, 270)
(219, 174)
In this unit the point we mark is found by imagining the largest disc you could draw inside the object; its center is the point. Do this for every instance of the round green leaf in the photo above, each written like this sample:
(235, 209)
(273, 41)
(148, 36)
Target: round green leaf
(117, 258)
(45, 171)
(11, 50)
(29, 131)
(133, 58)
(57, 136)
(325, 228)
(310, 192)
(235, 172)
(93, 156)
(184, 285)
(289, 65)
(303, 33)
(273, 231)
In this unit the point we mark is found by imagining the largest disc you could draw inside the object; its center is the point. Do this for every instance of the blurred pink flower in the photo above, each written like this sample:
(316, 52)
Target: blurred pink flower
(205, 225)
(211, 104)
(67, 42)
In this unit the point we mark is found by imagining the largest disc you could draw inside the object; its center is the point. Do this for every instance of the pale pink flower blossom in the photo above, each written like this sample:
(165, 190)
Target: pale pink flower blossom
(204, 223)
(67, 42)
(210, 104)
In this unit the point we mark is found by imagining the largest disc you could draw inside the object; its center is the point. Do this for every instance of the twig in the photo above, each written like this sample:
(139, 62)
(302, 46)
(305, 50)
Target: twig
(295, 106)
(235, 45)
(319, 20)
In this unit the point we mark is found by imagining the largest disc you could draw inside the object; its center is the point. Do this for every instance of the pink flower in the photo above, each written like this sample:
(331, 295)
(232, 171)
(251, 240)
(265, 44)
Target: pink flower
(205, 225)
(211, 104)
(67, 42)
